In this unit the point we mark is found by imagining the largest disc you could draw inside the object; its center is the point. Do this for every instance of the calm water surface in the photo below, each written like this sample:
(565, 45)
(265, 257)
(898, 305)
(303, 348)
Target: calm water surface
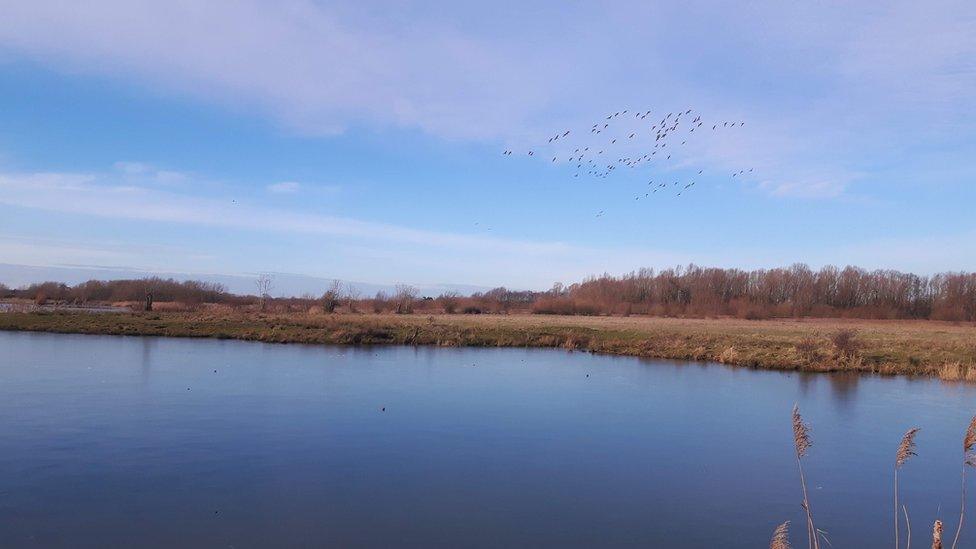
(146, 442)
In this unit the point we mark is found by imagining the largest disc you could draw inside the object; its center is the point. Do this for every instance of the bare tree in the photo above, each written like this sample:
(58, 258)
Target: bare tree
(265, 284)
(449, 301)
(404, 298)
(330, 299)
(352, 295)
(379, 301)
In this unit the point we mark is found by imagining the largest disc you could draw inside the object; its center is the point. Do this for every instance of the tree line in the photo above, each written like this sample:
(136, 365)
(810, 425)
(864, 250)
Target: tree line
(692, 291)
(796, 291)
(112, 291)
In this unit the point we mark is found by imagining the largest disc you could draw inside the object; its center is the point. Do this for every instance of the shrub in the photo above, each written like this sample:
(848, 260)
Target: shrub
(845, 343)
(809, 349)
(330, 299)
(449, 302)
(404, 298)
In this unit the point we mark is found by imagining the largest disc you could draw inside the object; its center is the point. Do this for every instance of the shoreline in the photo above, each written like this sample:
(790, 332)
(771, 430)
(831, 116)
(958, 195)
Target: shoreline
(911, 348)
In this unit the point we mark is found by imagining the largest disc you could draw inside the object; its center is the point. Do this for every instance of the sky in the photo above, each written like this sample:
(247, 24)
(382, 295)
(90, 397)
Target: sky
(364, 140)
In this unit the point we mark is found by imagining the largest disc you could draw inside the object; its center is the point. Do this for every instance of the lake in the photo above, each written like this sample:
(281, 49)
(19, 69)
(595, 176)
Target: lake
(151, 442)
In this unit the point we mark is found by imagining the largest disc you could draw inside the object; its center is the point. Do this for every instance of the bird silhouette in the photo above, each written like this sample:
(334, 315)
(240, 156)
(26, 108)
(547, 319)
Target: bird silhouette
(664, 133)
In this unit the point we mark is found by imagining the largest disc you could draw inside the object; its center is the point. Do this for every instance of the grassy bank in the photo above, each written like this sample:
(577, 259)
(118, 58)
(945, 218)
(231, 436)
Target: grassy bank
(926, 348)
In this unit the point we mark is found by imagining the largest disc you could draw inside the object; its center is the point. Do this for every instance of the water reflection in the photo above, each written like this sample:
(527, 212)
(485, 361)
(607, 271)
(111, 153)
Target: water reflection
(843, 387)
(147, 345)
(181, 442)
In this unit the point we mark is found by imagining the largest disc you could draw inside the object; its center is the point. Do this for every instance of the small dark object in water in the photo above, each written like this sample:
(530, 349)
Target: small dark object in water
(383, 409)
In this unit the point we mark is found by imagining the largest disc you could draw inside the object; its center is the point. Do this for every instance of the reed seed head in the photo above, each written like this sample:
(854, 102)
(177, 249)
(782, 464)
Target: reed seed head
(781, 537)
(969, 443)
(801, 433)
(937, 535)
(907, 447)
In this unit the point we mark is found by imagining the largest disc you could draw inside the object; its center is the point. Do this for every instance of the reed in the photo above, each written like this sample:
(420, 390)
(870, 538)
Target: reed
(781, 537)
(908, 527)
(968, 460)
(905, 451)
(802, 444)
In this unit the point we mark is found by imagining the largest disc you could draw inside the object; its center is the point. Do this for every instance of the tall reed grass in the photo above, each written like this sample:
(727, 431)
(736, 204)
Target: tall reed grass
(905, 451)
(968, 460)
(802, 442)
(781, 537)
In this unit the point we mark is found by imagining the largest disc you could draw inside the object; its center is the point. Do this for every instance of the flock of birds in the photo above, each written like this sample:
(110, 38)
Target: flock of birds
(630, 140)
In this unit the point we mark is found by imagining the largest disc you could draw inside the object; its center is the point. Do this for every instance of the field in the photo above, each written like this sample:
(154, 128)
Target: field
(917, 348)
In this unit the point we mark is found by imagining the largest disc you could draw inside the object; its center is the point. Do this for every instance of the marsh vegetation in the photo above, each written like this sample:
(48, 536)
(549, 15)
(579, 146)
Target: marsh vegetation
(917, 348)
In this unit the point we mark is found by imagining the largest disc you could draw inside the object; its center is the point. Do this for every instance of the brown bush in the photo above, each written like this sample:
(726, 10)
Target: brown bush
(449, 302)
(845, 343)
(404, 298)
(330, 298)
(809, 350)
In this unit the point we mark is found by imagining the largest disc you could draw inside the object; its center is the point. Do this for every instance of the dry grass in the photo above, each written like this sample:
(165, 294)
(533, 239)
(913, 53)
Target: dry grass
(801, 434)
(781, 537)
(924, 348)
(969, 442)
(958, 371)
(968, 460)
(906, 449)
(802, 444)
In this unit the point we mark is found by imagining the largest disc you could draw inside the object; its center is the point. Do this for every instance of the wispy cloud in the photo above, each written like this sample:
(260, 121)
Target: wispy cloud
(416, 253)
(284, 187)
(810, 188)
(315, 68)
(411, 255)
(132, 168)
(104, 196)
(827, 89)
(143, 172)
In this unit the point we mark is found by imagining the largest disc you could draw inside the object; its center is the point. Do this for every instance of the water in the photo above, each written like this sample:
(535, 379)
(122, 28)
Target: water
(109, 441)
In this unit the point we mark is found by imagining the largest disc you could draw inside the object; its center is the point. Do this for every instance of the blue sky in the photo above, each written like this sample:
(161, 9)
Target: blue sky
(363, 142)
